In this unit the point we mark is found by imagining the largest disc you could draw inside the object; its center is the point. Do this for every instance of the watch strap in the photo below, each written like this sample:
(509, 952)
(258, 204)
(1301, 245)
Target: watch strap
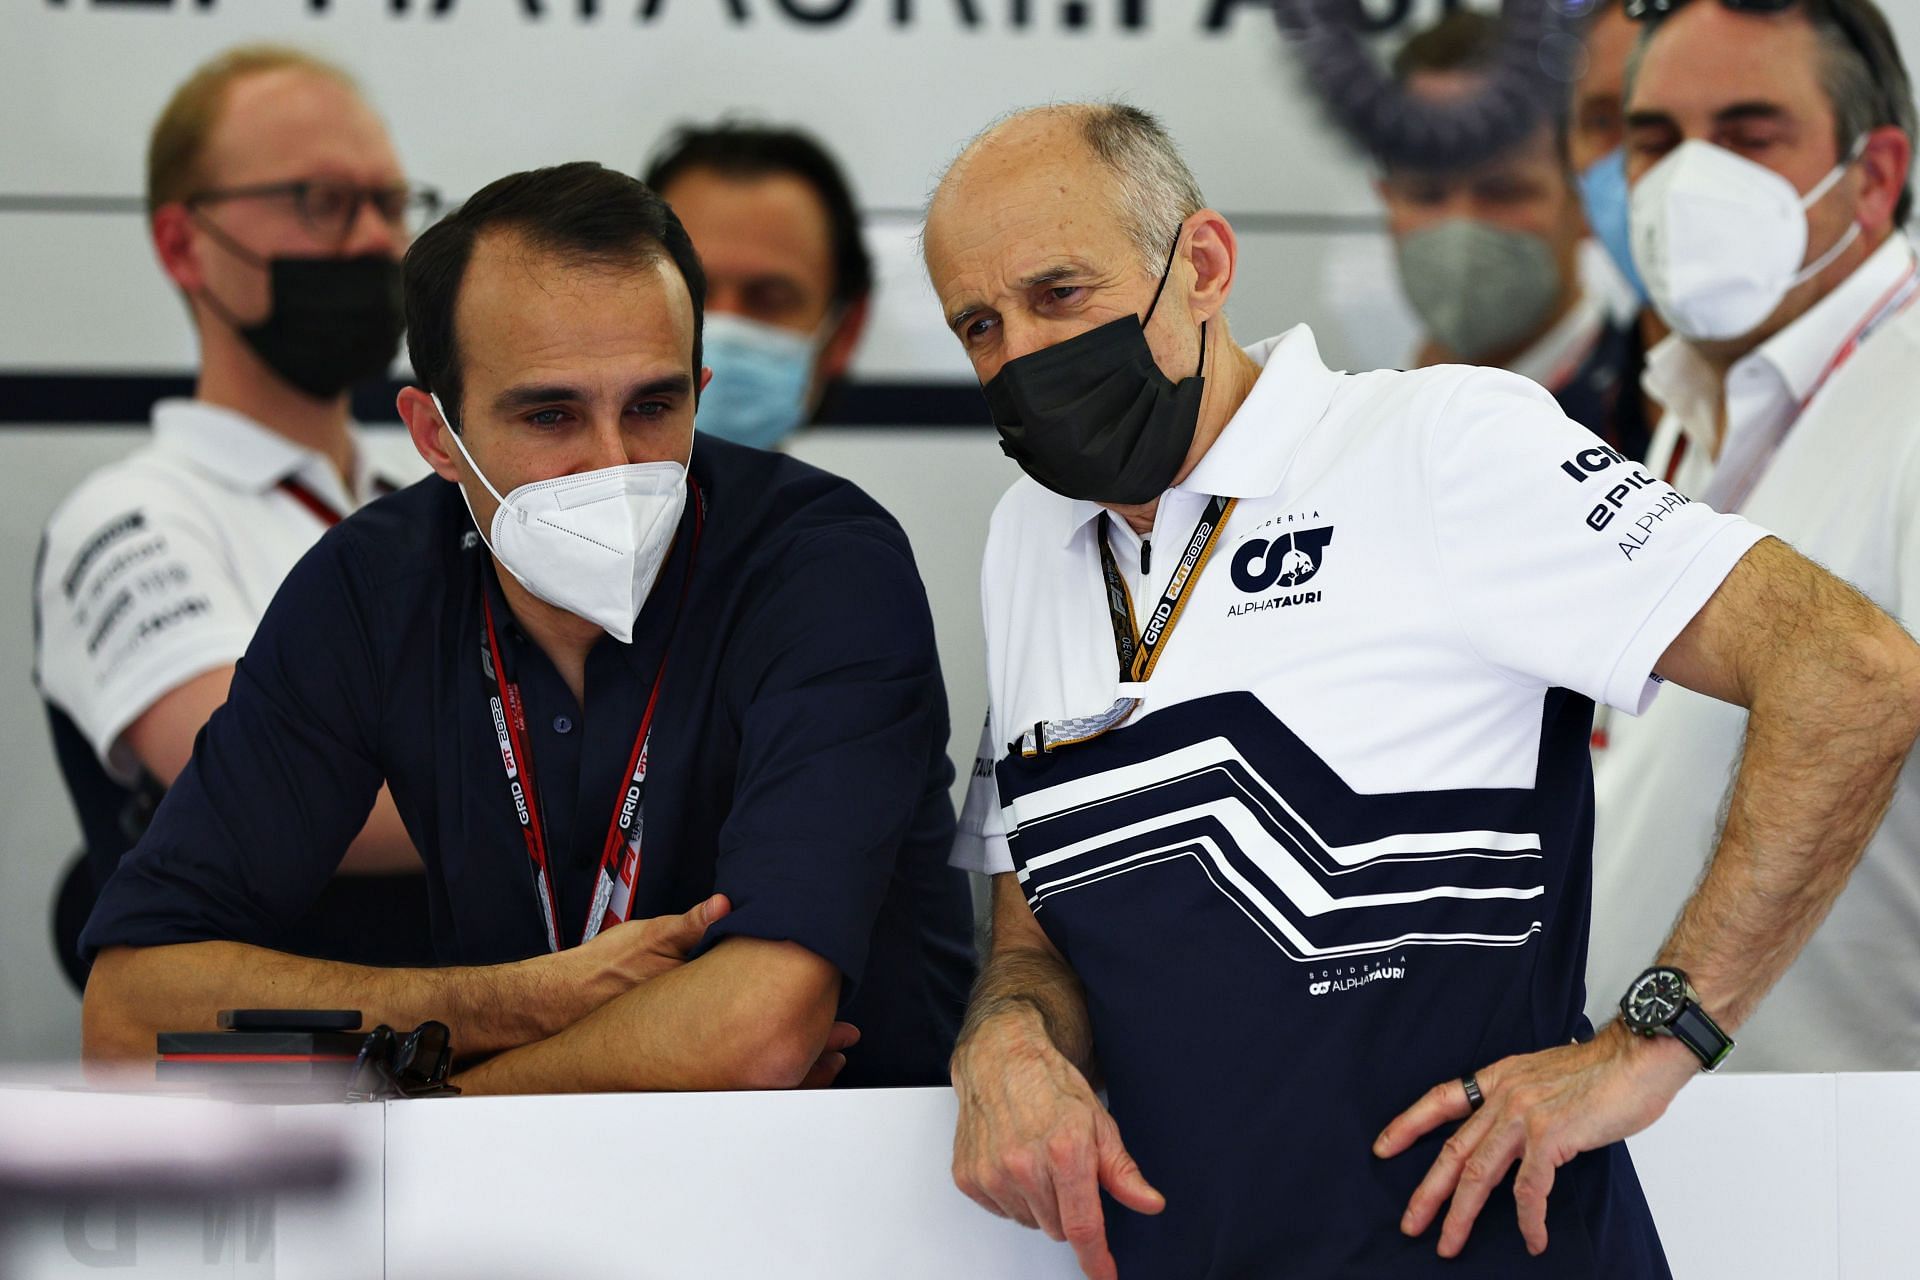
(1694, 1028)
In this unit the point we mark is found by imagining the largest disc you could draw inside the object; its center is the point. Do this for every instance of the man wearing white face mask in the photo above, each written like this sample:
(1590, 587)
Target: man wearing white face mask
(1769, 144)
(682, 799)
(788, 274)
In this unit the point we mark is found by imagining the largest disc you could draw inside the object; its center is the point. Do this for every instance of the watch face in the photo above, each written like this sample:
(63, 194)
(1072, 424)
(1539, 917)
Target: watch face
(1656, 998)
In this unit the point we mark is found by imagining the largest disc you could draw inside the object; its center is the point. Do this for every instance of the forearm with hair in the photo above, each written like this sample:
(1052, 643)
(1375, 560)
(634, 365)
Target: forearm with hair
(137, 992)
(1020, 977)
(1834, 707)
(750, 1014)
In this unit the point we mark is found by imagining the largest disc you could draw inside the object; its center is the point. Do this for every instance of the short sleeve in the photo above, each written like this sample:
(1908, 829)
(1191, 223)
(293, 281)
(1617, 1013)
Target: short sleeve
(1567, 564)
(134, 596)
(281, 779)
(980, 843)
(843, 735)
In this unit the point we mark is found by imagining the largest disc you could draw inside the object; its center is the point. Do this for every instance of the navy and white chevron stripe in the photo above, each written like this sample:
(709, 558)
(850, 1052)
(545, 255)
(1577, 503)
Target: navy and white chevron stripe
(1324, 871)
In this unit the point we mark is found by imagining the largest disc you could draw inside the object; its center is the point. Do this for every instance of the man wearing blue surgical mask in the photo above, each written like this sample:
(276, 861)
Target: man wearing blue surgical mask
(1597, 144)
(788, 273)
(1597, 149)
(1491, 256)
(1768, 147)
(683, 804)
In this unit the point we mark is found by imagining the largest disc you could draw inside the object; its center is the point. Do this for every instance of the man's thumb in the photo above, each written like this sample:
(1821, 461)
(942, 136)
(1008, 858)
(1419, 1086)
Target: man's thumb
(690, 926)
(1122, 1177)
(703, 915)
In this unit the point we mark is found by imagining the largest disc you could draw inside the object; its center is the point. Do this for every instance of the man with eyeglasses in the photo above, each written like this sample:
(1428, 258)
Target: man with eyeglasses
(1768, 147)
(279, 210)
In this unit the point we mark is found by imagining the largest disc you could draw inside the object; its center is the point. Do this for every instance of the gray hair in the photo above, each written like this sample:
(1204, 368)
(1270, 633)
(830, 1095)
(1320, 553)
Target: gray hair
(1153, 190)
(1866, 97)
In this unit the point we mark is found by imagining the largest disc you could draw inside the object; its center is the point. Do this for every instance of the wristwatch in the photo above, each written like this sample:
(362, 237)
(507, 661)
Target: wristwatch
(1661, 1002)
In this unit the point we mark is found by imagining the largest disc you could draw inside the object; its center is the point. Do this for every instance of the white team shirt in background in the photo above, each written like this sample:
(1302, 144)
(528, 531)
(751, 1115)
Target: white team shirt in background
(1479, 550)
(1844, 490)
(157, 568)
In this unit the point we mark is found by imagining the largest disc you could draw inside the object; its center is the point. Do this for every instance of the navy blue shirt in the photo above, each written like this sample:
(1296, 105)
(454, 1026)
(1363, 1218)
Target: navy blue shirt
(1604, 396)
(1249, 1091)
(797, 764)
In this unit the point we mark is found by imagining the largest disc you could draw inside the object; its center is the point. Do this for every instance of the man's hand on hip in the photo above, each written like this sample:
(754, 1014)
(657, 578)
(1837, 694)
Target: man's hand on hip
(1033, 1142)
(1541, 1109)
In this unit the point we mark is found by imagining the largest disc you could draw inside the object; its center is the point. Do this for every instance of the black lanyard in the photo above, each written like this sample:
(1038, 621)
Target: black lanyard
(619, 873)
(1138, 650)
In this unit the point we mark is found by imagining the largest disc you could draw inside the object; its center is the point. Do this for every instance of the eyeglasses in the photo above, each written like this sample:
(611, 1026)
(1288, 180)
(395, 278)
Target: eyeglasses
(329, 209)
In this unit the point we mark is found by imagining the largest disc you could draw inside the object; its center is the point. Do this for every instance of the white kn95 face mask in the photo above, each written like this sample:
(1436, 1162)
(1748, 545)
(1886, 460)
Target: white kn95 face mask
(592, 543)
(1719, 239)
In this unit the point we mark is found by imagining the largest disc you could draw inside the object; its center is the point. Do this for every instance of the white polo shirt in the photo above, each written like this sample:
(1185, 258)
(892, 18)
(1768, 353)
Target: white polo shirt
(1841, 483)
(1477, 579)
(1342, 849)
(158, 567)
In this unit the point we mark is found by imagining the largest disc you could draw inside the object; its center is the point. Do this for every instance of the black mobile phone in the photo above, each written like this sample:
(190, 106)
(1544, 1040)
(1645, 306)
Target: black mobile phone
(290, 1019)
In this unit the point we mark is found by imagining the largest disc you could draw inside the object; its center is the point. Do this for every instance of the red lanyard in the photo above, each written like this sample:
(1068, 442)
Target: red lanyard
(1733, 495)
(620, 854)
(313, 502)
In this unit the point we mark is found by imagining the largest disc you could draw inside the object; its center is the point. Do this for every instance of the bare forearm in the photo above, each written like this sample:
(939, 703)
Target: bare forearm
(1020, 979)
(1027, 996)
(1827, 735)
(748, 1015)
(136, 992)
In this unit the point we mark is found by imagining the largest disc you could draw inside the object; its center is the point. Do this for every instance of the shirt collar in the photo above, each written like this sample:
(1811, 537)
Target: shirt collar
(1803, 350)
(1794, 359)
(1253, 451)
(250, 457)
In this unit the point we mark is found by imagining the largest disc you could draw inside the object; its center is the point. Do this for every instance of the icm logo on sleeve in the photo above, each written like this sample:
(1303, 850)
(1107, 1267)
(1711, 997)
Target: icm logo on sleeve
(1288, 561)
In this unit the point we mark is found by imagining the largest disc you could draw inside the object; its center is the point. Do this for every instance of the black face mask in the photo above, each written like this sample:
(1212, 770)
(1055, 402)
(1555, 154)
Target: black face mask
(331, 322)
(1094, 418)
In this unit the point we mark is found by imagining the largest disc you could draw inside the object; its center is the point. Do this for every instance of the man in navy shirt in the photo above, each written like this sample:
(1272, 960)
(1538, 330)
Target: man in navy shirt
(609, 673)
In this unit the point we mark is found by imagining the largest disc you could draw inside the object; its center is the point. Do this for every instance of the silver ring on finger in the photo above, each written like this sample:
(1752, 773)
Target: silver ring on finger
(1475, 1098)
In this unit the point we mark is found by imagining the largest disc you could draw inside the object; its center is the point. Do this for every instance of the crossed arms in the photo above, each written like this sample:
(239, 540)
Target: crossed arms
(626, 1011)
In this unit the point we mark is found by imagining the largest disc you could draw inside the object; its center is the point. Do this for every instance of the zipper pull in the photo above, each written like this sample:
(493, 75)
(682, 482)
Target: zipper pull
(1146, 556)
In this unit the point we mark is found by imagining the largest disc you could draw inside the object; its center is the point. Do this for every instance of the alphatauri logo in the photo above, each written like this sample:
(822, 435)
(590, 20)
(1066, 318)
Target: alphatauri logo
(1352, 977)
(1286, 561)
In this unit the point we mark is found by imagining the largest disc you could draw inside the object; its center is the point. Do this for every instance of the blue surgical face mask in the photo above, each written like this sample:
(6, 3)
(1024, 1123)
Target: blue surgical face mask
(1603, 190)
(761, 376)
